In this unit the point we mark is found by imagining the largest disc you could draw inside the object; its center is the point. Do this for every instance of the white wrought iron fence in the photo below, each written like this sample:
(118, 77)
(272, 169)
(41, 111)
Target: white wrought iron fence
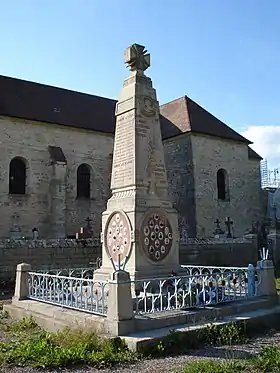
(70, 292)
(201, 286)
(204, 287)
(209, 270)
(82, 272)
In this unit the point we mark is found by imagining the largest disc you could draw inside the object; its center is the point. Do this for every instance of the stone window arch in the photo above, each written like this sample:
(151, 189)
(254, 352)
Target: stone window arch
(17, 176)
(222, 185)
(84, 181)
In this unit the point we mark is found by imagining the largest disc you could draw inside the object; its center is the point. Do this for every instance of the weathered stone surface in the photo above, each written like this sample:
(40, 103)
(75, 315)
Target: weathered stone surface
(45, 254)
(139, 183)
(227, 253)
(30, 140)
(245, 198)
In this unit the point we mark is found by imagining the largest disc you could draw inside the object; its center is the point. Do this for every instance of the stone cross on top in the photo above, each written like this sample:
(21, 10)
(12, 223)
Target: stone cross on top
(136, 58)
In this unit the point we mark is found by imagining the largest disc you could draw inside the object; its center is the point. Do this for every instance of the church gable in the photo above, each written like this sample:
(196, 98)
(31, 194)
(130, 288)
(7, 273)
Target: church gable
(188, 116)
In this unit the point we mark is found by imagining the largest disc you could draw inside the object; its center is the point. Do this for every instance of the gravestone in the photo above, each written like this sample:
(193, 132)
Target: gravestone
(228, 224)
(35, 233)
(15, 231)
(218, 231)
(140, 226)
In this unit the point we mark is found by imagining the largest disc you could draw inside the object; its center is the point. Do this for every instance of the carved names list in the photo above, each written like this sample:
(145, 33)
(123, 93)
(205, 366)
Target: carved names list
(124, 154)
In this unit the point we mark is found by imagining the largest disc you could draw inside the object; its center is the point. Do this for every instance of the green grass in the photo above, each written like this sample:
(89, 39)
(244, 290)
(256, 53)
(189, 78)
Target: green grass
(268, 361)
(25, 343)
(214, 366)
(277, 279)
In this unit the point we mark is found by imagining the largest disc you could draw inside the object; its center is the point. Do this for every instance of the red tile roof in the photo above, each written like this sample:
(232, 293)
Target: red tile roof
(188, 116)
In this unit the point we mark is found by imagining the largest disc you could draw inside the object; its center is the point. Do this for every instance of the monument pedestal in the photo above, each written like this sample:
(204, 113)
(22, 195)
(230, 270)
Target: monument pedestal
(274, 239)
(140, 227)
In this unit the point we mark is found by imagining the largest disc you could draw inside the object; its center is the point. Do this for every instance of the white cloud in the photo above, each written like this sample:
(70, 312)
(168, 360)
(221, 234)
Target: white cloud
(266, 141)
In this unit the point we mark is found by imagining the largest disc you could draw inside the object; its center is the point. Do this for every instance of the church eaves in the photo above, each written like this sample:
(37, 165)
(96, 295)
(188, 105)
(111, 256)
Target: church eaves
(188, 116)
(39, 102)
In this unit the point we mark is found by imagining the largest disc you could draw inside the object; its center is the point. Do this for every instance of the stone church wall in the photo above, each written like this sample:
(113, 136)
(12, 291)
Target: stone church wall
(192, 162)
(178, 158)
(245, 198)
(55, 253)
(30, 141)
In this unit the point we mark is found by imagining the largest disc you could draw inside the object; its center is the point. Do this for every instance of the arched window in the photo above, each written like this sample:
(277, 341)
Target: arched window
(17, 176)
(222, 185)
(83, 181)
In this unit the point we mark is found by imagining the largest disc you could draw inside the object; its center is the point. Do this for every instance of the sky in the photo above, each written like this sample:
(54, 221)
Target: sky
(224, 54)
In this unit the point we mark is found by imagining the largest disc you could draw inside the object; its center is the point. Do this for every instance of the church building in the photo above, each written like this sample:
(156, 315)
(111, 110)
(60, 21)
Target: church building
(56, 156)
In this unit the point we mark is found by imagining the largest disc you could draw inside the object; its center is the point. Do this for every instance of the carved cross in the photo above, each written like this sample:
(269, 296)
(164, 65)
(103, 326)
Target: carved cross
(218, 229)
(136, 58)
(228, 224)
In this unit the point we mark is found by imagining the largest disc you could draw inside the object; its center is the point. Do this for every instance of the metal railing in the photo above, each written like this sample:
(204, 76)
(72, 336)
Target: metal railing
(195, 290)
(203, 270)
(70, 292)
(82, 272)
(201, 286)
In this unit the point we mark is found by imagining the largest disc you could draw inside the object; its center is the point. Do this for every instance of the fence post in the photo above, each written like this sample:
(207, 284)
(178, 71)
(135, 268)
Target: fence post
(251, 280)
(267, 284)
(120, 317)
(21, 288)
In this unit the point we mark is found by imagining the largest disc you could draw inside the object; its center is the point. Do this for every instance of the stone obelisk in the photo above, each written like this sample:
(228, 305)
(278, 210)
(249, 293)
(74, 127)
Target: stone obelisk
(139, 226)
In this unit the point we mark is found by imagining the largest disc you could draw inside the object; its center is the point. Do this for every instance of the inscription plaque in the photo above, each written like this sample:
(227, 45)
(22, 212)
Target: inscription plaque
(124, 154)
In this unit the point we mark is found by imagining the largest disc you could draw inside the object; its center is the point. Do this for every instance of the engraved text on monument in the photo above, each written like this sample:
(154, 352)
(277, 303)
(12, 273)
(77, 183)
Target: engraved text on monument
(123, 163)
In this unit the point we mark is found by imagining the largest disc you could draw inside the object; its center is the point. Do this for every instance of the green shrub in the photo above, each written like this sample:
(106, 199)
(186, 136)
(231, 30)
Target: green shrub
(268, 360)
(24, 325)
(224, 335)
(177, 342)
(4, 315)
(65, 348)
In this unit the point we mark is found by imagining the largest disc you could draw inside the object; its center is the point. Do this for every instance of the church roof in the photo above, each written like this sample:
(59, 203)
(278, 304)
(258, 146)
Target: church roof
(253, 154)
(39, 102)
(188, 116)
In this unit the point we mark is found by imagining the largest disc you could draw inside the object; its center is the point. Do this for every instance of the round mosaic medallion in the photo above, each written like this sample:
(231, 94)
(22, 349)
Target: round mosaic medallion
(118, 236)
(156, 236)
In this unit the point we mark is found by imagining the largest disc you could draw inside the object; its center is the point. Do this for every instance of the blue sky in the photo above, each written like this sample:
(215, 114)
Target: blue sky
(224, 54)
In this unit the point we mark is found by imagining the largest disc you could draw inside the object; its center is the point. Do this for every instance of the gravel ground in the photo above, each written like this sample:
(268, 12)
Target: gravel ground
(173, 364)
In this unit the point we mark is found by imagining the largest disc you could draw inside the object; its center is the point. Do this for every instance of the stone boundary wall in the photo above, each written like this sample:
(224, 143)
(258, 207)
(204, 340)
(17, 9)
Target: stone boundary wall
(44, 254)
(63, 253)
(213, 240)
(234, 252)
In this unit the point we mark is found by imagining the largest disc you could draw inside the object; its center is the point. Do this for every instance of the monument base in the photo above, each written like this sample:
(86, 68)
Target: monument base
(104, 273)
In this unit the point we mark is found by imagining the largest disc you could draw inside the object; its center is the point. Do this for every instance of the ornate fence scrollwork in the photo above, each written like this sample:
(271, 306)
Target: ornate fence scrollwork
(203, 286)
(83, 294)
(82, 272)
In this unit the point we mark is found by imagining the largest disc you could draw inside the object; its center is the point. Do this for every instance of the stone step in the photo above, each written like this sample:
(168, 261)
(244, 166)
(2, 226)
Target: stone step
(46, 322)
(191, 316)
(51, 317)
(256, 320)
